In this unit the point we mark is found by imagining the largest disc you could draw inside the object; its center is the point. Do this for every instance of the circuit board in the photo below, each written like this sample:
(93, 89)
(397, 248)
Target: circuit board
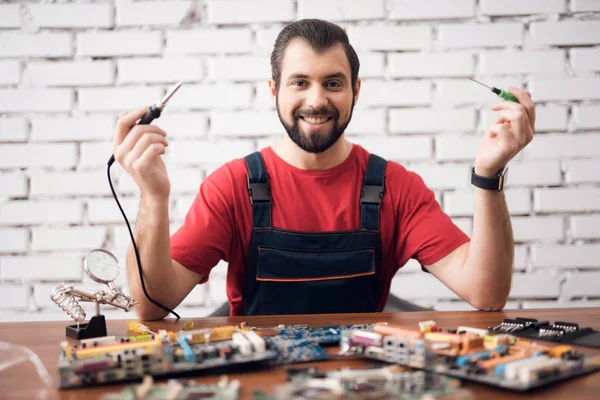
(167, 354)
(177, 390)
(390, 382)
(562, 332)
(478, 355)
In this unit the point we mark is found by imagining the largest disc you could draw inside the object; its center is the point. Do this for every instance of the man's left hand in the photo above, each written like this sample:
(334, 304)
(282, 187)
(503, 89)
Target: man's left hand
(510, 132)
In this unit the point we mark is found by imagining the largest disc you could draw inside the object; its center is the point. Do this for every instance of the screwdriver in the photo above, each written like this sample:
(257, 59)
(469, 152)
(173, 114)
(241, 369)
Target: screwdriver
(153, 112)
(501, 93)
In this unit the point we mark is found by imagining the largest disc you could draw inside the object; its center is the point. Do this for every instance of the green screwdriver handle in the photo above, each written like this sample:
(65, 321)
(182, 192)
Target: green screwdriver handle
(507, 95)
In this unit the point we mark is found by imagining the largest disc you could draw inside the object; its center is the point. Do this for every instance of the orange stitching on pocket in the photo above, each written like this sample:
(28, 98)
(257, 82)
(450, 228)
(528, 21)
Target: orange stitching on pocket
(328, 278)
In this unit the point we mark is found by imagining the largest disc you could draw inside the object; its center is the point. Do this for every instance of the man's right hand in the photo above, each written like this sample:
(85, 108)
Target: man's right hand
(138, 148)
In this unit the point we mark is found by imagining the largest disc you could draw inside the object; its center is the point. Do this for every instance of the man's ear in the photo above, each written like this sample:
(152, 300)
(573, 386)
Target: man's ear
(356, 90)
(272, 88)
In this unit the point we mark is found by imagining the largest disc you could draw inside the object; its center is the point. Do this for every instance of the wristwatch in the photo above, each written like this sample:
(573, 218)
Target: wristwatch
(495, 183)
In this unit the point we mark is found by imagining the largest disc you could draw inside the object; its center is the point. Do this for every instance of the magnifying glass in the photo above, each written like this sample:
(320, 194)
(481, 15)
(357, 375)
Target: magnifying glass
(102, 266)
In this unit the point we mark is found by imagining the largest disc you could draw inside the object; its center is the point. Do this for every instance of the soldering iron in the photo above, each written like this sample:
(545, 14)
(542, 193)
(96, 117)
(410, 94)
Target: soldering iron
(501, 93)
(153, 113)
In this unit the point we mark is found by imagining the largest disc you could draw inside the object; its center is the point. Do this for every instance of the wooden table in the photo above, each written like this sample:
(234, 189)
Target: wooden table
(43, 338)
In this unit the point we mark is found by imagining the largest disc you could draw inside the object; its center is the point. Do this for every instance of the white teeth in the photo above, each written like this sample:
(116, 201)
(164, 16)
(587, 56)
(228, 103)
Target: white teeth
(315, 120)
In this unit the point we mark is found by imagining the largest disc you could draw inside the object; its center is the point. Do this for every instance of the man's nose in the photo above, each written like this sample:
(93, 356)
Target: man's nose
(316, 98)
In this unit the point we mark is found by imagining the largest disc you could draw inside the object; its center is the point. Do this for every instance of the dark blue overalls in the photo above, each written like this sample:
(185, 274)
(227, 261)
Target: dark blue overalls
(296, 272)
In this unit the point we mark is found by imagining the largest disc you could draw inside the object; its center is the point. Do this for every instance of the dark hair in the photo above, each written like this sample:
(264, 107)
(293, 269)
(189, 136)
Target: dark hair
(320, 35)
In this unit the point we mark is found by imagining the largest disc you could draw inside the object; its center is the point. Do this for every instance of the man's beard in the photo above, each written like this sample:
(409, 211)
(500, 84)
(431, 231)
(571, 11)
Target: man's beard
(315, 142)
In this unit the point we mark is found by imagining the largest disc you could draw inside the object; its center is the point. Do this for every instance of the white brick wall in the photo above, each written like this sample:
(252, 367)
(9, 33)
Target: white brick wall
(68, 69)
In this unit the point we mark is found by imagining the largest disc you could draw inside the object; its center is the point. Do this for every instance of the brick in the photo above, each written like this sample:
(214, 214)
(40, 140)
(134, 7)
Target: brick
(245, 123)
(197, 297)
(209, 96)
(464, 224)
(10, 16)
(398, 148)
(173, 69)
(153, 13)
(563, 146)
(184, 125)
(183, 180)
(416, 65)
(10, 72)
(14, 296)
(103, 211)
(516, 7)
(13, 184)
(586, 117)
(250, 11)
(463, 36)
(47, 44)
(228, 68)
(371, 65)
(341, 10)
(182, 206)
(585, 5)
(117, 98)
(548, 229)
(565, 89)
(533, 286)
(585, 59)
(443, 176)
(71, 15)
(209, 40)
(38, 155)
(564, 33)
(463, 91)
(464, 306)
(520, 259)
(63, 128)
(534, 173)
(420, 286)
(49, 267)
(504, 62)
(36, 100)
(462, 203)
(585, 226)
(394, 93)
(13, 129)
(71, 238)
(557, 256)
(263, 99)
(366, 122)
(96, 155)
(566, 199)
(125, 43)
(559, 304)
(581, 171)
(69, 183)
(426, 120)
(456, 147)
(26, 212)
(583, 284)
(265, 39)
(379, 37)
(14, 240)
(69, 73)
(431, 9)
(200, 152)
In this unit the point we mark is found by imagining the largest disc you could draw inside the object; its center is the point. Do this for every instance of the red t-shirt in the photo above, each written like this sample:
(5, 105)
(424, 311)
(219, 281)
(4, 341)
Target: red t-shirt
(219, 222)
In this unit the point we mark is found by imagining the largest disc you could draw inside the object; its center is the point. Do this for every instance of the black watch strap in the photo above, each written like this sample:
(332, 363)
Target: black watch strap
(495, 183)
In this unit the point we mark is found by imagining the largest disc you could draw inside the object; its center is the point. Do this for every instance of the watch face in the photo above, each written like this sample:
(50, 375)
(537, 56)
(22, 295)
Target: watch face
(102, 266)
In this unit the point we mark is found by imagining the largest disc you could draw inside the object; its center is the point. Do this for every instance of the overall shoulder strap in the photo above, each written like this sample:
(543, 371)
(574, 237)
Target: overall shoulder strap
(372, 193)
(259, 190)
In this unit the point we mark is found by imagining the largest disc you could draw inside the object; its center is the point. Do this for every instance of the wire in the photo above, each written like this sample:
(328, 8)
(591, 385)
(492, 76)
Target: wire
(137, 254)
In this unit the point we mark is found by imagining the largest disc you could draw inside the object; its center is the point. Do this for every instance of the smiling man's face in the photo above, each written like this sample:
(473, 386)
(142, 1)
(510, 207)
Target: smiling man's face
(315, 98)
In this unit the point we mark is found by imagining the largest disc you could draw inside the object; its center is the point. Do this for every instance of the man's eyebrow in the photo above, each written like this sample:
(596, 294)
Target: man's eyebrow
(338, 75)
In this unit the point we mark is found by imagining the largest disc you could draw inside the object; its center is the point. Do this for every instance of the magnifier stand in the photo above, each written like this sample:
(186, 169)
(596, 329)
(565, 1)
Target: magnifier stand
(96, 327)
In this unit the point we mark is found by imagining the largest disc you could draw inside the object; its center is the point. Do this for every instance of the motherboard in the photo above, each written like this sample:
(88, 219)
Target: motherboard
(500, 360)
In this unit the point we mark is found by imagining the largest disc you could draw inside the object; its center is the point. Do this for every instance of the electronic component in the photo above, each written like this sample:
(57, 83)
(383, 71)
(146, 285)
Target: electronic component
(497, 359)
(563, 332)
